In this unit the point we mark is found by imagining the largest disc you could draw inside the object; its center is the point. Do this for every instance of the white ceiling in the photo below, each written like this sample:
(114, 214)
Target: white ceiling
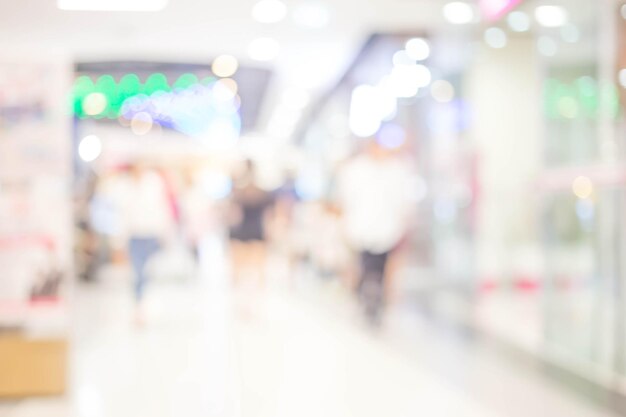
(198, 30)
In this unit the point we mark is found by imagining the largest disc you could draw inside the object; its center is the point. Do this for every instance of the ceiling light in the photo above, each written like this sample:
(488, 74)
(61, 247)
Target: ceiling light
(113, 5)
(551, 16)
(518, 21)
(496, 38)
(269, 11)
(224, 66)
(364, 119)
(90, 148)
(458, 13)
(402, 58)
(417, 48)
(442, 91)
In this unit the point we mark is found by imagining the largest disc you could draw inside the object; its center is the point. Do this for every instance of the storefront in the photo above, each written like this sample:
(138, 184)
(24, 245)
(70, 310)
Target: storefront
(516, 137)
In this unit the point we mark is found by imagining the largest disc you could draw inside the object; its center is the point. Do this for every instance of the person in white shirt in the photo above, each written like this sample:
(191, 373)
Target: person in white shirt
(147, 221)
(374, 196)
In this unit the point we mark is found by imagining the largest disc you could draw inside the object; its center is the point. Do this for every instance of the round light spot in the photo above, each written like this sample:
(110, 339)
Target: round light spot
(417, 48)
(225, 66)
(551, 16)
(582, 187)
(518, 21)
(225, 89)
(141, 123)
(568, 107)
(458, 12)
(94, 104)
(442, 91)
(90, 148)
(402, 58)
(495, 38)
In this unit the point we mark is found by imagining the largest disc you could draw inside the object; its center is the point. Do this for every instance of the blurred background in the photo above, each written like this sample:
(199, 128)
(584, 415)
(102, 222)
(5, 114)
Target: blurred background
(305, 207)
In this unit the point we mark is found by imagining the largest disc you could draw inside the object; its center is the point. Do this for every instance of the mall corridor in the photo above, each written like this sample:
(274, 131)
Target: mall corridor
(294, 208)
(298, 352)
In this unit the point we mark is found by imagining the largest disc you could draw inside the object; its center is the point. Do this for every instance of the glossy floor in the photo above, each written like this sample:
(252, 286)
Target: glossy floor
(206, 350)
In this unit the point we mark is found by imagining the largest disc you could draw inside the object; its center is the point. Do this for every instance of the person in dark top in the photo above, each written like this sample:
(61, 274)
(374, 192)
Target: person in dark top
(249, 207)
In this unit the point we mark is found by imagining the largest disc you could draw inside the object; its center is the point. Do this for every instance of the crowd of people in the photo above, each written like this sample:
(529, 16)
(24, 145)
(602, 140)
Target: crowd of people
(354, 233)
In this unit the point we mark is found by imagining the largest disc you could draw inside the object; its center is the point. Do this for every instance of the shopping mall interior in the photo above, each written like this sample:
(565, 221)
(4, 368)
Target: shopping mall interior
(268, 208)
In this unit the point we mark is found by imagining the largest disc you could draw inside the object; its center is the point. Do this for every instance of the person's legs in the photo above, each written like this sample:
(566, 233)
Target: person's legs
(258, 261)
(238, 259)
(141, 250)
(371, 283)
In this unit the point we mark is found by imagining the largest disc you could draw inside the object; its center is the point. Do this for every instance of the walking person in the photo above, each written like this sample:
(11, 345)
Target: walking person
(374, 197)
(148, 222)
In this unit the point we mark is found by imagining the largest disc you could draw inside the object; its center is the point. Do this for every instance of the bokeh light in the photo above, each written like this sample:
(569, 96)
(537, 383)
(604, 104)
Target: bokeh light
(90, 148)
(442, 91)
(495, 38)
(269, 11)
(155, 82)
(568, 107)
(225, 66)
(402, 58)
(185, 81)
(225, 89)
(458, 12)
(585, 210)
(94, 104)
(141, 123)
(518, 21)
(551, 16)
(364, 119)
(582, 187)
(418, 49)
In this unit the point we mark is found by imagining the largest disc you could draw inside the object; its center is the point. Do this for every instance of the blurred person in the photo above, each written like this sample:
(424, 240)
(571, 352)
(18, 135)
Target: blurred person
(328, 251)
(148, 222)
(248, 212)
(373, 192)
(195, 212)
(283, 234)
(86, 238)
